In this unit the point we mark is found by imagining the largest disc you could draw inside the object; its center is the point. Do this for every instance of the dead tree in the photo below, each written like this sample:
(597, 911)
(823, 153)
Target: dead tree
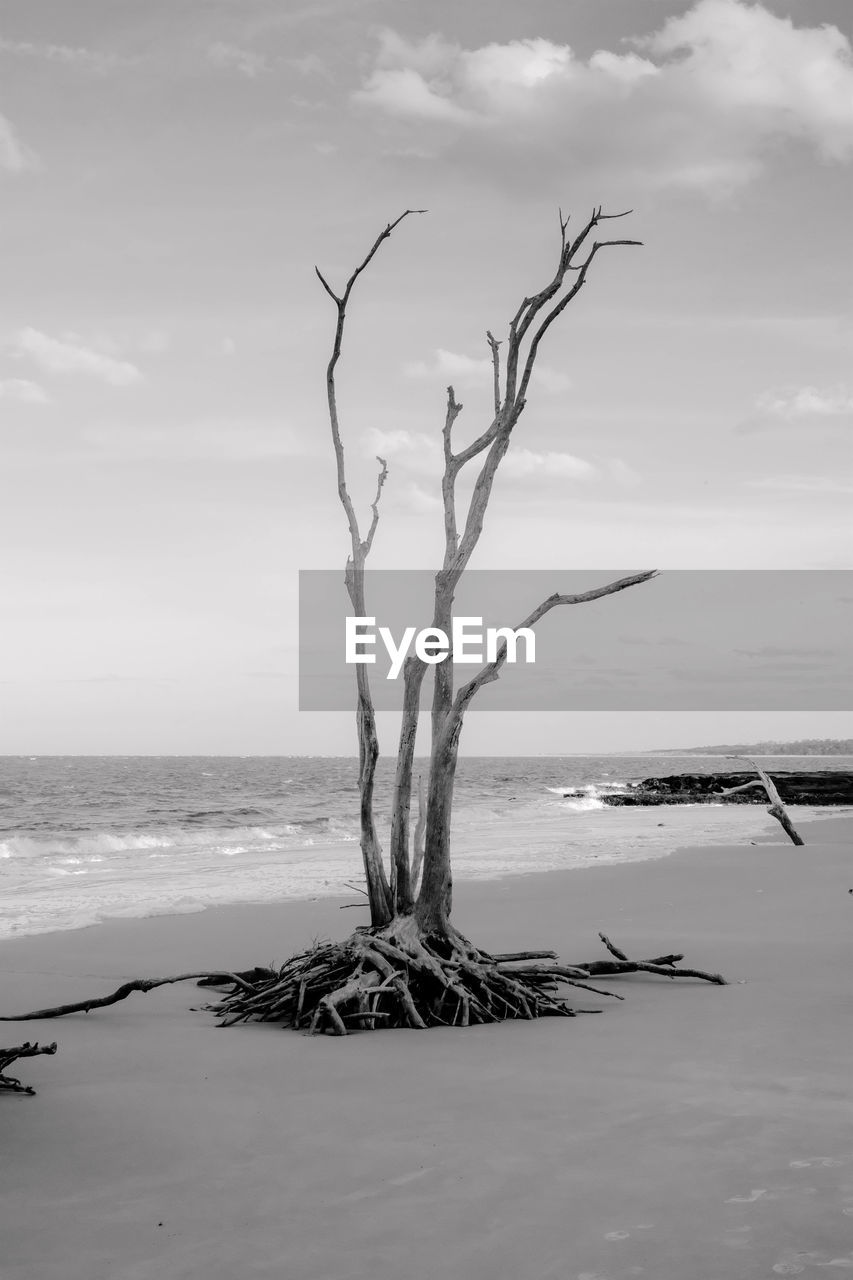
(776, 808)
(411, 967)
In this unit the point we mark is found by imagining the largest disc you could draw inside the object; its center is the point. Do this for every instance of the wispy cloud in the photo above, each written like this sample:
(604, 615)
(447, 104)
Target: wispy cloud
(417, 452)
(310, 64)
(700, 104)
(67, 55)
(418, 499)
(461, 369)
(806, 402)
(526, 464)
(777, 651)
(230, 57)
(224, 441)
(15, 156)
(24, 390)
(819, 485)
(68, 355)
(799, 405)
(657, 640)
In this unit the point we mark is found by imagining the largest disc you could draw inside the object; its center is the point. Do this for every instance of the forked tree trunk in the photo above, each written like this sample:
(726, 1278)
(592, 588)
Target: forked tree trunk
(535, 315)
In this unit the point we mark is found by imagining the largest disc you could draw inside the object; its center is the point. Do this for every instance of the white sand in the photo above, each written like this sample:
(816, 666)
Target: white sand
(690, 1133)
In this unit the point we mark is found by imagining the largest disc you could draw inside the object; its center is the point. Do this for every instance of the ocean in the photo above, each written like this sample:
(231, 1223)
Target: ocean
(85, 839)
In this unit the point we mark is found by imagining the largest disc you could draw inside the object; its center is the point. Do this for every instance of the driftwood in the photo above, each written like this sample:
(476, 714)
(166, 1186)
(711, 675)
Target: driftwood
(9, 1084)
(393, 977)
(398, 976)
(776, 808)
(127, 989)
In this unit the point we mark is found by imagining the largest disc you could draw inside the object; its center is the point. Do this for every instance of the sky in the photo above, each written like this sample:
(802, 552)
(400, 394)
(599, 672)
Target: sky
(171, 173)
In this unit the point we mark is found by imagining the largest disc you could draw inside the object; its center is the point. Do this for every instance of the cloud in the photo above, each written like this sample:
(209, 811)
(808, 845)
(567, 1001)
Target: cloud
(447, 364)
(230, 57)
(806, 402)
(826, 485)
(524, 464)
(154, 341)
(461, 370)
(778, 78)
(418, 452)
(415, 498)
(238, 441)
(422, 454)
(657, 640)
(68, 355)
(67, 55)
(700, 104)
(24, 390)
(799, 406)
(15, 156)
(310, 64)
(412, 450)
(775, 651)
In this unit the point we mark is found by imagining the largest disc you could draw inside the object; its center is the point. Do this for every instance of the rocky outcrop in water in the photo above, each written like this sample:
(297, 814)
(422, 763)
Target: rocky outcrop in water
(822, 786)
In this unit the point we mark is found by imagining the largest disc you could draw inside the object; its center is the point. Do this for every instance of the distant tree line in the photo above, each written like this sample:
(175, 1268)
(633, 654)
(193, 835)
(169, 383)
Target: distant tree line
(802, 747)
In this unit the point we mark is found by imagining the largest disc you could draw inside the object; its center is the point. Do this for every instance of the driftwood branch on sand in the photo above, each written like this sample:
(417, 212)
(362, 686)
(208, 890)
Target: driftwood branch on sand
(121, 993)
(776, 808)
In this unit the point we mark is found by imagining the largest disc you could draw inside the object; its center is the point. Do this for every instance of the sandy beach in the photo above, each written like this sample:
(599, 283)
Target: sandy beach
(690, 1131)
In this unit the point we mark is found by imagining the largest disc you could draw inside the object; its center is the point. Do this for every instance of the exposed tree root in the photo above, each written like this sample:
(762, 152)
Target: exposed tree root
(398, 977)
(392, 977)
(9, 1084)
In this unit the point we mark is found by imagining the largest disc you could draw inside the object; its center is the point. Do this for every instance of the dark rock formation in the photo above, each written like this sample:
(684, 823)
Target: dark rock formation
(822, 786)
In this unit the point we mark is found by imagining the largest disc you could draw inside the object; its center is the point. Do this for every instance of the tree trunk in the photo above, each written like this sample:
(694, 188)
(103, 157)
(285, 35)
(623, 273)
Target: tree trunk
(413, 678)
(378, 890)
(435, 900)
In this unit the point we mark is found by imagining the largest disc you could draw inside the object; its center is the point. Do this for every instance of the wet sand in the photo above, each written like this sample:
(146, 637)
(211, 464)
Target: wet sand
(690, 1131)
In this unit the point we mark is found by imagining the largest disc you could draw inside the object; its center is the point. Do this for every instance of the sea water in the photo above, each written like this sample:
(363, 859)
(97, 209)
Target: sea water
(83, 839)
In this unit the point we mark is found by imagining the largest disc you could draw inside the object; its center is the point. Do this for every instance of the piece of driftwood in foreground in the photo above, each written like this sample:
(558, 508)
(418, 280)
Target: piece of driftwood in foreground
(776, 809)
(9, 1084)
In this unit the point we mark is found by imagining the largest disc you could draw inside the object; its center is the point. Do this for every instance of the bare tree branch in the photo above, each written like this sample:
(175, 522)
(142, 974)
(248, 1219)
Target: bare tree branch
(496, 368)
(580, 281)
(329, 290)
(448, 480)
(491, 670)
(379, 892)
(374, 506)
(341, 304)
